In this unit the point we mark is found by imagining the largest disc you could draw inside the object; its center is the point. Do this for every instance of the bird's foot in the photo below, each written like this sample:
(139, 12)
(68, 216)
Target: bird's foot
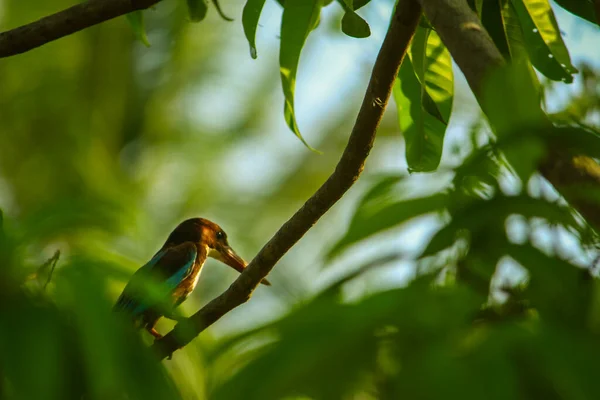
(157, 337)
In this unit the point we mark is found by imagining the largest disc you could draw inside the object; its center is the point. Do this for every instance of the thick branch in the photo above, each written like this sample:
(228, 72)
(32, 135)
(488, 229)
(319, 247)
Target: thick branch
(350, 166)
(477, 56)
(66, 22)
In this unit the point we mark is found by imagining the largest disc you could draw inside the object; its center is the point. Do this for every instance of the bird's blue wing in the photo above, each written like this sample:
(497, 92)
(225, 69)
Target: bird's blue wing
(153, 283)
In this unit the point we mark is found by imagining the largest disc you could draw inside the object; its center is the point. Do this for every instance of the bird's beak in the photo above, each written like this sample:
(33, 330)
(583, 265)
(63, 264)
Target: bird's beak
(228, 256)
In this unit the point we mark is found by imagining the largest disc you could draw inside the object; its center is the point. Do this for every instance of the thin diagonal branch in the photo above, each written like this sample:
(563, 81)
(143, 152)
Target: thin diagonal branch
(66, 22)
(477, 56)
(351, 164)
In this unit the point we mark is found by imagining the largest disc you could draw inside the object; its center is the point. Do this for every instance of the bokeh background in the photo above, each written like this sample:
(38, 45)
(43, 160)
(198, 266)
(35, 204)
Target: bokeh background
(106, 145)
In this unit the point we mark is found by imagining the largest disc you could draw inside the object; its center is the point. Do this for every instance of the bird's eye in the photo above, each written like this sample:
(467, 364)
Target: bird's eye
(220, 235)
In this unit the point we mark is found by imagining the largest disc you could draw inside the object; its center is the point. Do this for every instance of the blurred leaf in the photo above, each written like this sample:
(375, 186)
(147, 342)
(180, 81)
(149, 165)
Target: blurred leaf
(70, 217)
(299, 18)
(524, 111)
(34, 365)
(112, 353)
(556, 288)
(377, 213)
(524, 150)
(329, 349)
(582, 8)
(220, 11)
(578, 140)
(544, 42)
(476, 216)
(250, 18)
(197, 9)
(333, 349)
(136, 21)
(423, 93)
(335, 287)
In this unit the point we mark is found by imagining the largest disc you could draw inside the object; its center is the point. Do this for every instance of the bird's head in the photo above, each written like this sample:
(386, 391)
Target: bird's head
(207, 234)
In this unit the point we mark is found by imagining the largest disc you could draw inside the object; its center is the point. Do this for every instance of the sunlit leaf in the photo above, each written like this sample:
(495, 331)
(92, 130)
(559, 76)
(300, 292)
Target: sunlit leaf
(544, 42)
(299, 18)
(433, 66)
(197, 9)
(136, 21)
(250, 18)
(423, 93)
(515, 40)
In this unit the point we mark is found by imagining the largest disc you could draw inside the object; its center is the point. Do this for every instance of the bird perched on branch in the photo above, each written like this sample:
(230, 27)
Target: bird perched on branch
(157, 288)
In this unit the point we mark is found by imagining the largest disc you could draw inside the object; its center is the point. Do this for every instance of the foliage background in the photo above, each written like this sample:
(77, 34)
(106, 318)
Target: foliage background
(105, 145)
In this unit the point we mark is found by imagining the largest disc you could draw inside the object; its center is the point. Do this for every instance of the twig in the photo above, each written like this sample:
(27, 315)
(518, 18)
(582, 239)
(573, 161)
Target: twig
(52, 263)
(66, 22)
(351, 164)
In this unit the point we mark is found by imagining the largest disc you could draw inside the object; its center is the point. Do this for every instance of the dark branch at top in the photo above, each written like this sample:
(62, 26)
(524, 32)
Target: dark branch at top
(350, 166)
(66, 22)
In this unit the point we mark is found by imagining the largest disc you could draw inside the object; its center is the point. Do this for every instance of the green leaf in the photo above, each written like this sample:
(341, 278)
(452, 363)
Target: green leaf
(433, 67)
(544, 43)
(577, 140)
(479, 7)
(359, 4)
(299, 18)
(476, 6)
(136, 21)
(197, 9)
(331, 348)
(492, 21)
(353, 25)
(523, 111)
(582, 8)
(423, 93)
(250, 17)
(353, 4)
(515, 40)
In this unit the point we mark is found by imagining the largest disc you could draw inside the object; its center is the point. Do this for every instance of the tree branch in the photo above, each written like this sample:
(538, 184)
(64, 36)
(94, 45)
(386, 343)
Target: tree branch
(477, 56)
(400, 32)
(66, 22)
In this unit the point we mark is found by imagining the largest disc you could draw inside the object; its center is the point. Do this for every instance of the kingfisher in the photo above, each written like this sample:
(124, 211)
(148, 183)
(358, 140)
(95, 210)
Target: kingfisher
(164, 282)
